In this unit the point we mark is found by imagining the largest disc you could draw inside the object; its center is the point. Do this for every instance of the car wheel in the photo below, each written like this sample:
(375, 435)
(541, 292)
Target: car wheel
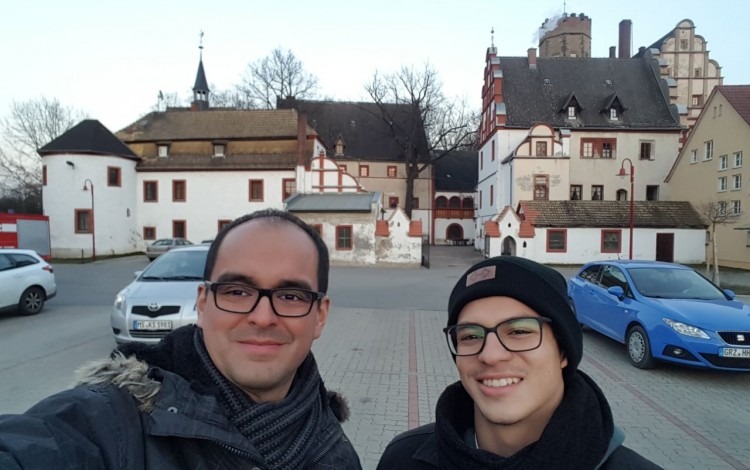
(32, 301)
(639, 349)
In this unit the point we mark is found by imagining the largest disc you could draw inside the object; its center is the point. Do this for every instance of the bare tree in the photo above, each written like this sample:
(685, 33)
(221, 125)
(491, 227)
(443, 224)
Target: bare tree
(425, 124)
(169, 100)
(234, 98)
(29, 126)
(715, 213)
(280, 74)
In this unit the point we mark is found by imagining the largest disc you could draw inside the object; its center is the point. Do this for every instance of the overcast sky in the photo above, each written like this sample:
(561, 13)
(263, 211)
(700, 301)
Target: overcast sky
(111, 59)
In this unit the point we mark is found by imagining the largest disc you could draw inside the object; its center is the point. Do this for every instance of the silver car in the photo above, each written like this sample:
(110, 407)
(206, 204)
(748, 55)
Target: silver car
(163, 245)
(26, 281)
(161, 298)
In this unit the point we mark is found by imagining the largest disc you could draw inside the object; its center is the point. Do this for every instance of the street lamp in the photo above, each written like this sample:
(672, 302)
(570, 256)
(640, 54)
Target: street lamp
(86, 185)
(632, 174)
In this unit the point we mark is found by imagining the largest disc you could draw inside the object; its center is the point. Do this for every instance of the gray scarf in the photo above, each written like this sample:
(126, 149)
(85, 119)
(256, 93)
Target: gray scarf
(283, 432)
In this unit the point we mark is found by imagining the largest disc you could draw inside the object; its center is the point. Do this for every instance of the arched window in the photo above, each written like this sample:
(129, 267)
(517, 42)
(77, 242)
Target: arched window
(454, 232)
(468, 203)
(441, 202)
(622, 195)
(455, 202)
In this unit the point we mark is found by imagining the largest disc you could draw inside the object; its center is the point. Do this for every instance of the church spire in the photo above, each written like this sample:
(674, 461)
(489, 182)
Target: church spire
(200, 89)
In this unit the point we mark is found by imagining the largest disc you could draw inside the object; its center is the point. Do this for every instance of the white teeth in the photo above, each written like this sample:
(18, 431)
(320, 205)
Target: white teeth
(500, 382)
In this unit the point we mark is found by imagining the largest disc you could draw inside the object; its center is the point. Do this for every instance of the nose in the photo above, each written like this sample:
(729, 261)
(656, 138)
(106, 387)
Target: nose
(263, 314)
(494, 350)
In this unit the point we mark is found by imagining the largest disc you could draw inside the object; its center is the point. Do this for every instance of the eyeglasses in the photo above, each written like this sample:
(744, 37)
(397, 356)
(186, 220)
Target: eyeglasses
(516, 335)
(241, 298)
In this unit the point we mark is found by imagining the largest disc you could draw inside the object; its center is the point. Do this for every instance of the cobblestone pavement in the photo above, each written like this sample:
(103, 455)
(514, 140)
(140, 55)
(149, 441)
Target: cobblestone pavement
(392, 364)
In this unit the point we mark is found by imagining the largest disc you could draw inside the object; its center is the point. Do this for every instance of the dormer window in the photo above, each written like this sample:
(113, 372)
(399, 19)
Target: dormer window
(162, 150)
(613, 114)
(339, 146)
(220, 149)
(571, 112)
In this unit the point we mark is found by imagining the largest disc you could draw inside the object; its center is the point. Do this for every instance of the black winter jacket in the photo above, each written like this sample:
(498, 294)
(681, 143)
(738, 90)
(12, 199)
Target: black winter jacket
(126, 414)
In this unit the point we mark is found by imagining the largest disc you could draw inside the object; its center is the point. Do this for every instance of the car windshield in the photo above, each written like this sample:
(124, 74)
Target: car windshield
(177, 265)
(671, 283)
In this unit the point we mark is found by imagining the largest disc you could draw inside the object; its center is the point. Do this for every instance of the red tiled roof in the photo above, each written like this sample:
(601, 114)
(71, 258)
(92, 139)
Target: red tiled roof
(415, 228)
(381, 228)
(739, 97)
(491, 229)
(527, 221)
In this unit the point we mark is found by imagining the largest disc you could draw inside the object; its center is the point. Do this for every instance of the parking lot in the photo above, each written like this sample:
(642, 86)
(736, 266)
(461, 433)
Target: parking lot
(383, 348)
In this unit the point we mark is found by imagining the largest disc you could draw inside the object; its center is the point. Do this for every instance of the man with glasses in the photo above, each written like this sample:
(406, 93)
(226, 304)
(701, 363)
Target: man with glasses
(521, 402)
(239, 390)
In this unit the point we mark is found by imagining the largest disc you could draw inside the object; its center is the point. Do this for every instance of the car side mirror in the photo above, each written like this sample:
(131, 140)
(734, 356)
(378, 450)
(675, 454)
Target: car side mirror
(730, 293)
(617, 291)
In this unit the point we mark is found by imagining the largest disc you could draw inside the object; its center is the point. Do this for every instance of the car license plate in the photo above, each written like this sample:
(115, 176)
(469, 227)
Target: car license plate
(735, 352)
(152, 324)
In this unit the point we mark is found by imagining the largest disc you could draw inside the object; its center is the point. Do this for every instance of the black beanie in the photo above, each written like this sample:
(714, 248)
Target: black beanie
(541, 288)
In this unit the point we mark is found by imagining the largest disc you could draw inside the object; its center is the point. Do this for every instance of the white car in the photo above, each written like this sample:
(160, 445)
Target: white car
(26, 281)
(161, 298)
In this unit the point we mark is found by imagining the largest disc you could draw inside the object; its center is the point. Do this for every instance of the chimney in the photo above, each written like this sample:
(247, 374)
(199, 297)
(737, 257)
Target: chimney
(612, 52)
(626, 27)
(532, 57)
(641, 50)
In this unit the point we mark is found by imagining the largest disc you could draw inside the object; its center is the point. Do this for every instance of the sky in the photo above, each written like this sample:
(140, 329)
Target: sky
(111, 59)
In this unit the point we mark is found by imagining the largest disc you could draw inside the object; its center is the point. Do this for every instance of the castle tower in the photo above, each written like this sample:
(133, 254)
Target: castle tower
(200, 89)
(568, 35)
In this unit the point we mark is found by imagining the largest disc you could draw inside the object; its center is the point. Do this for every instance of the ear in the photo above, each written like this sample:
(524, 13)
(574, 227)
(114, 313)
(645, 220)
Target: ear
(200, 302)
(563, 360)
(322, 315)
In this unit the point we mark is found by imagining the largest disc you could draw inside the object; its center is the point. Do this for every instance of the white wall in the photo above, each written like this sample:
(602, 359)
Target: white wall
(115, 208)
(399, 248)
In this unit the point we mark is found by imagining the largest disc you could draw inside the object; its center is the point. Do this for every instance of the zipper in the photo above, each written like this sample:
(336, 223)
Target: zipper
(238, 452)
(329, 445)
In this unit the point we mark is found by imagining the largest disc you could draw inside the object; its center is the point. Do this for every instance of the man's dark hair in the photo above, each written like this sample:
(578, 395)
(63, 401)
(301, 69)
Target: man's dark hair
(278, 216)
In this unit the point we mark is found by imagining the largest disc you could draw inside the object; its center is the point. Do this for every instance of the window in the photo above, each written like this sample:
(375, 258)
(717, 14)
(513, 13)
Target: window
(150, 191)
(288, 187)
(481, 160)
(612, 276)
(343, 168)
(571, 112)
(162, 150)
(344, 237)
(364, 170)
(708, 150)
(480, 198)
(415, 203)
(492, 195)
(622, 195)
(697, 100)
(613, 114)
(652, 192)
(556, 240)
(222, 223)
(736, 207)
(597, 192)
(693, 156)
(576, 192)
(179, 229)
(392, 171)
(149, 233)
(723, 160)
(606, 150)
(587, 149)
(698, 72)
(720, 110)
(84, 219)
(736, 182)
(392, 202)
(683, 44)
(114, 176)
(722, 183)
(493, 150)
(44, 175)
(454, 202)
(737, 159)
(467, 203)
(256, 191)
(647, 151)
(541, 149)
(441, 202)
(541, 187)
(219, 150)
(611, 241)
(179, 190)
(598, 148)
(722, 207)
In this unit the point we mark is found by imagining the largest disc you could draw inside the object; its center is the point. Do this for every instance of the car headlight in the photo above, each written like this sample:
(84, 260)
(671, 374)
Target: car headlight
(685, 329)
(120, 301)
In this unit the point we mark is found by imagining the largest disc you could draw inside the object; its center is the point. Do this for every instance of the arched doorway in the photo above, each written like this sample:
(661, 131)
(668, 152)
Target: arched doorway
(454, 232)
(622, 195)
(509, 246)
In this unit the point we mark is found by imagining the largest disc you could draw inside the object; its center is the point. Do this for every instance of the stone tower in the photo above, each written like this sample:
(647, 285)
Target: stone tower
(568, 35)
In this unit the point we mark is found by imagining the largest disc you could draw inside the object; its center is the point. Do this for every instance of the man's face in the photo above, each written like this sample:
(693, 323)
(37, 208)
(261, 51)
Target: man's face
(260, 351)
(518, 389)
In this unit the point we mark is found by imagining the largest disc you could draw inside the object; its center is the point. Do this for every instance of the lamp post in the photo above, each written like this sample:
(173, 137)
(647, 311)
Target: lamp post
(632, 175)
(86, 185)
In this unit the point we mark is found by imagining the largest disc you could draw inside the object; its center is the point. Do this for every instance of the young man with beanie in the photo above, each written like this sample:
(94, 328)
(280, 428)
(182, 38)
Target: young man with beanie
(521, 402)
(239, 390)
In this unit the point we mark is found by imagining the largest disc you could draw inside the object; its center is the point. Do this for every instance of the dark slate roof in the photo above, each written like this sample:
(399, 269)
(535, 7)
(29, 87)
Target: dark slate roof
(201, 84)
(88, 137)
(530, 101)
(457, 171)
(646, 214)
(233, 161)
(365, 134)
(739, 97)
(184, 124)
(332, 202)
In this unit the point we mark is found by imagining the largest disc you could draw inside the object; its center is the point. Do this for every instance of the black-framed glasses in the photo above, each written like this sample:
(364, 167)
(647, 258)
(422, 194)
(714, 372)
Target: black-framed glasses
(242, 298)
(516, 335)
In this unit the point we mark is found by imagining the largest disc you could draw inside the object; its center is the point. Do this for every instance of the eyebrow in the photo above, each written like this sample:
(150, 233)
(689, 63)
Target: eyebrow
(243, 279)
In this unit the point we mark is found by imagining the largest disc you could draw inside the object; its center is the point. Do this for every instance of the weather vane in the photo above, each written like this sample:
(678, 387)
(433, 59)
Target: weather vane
(492, 37)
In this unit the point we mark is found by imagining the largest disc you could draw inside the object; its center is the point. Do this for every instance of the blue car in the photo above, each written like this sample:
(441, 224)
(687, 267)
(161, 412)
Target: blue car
(663, 311)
